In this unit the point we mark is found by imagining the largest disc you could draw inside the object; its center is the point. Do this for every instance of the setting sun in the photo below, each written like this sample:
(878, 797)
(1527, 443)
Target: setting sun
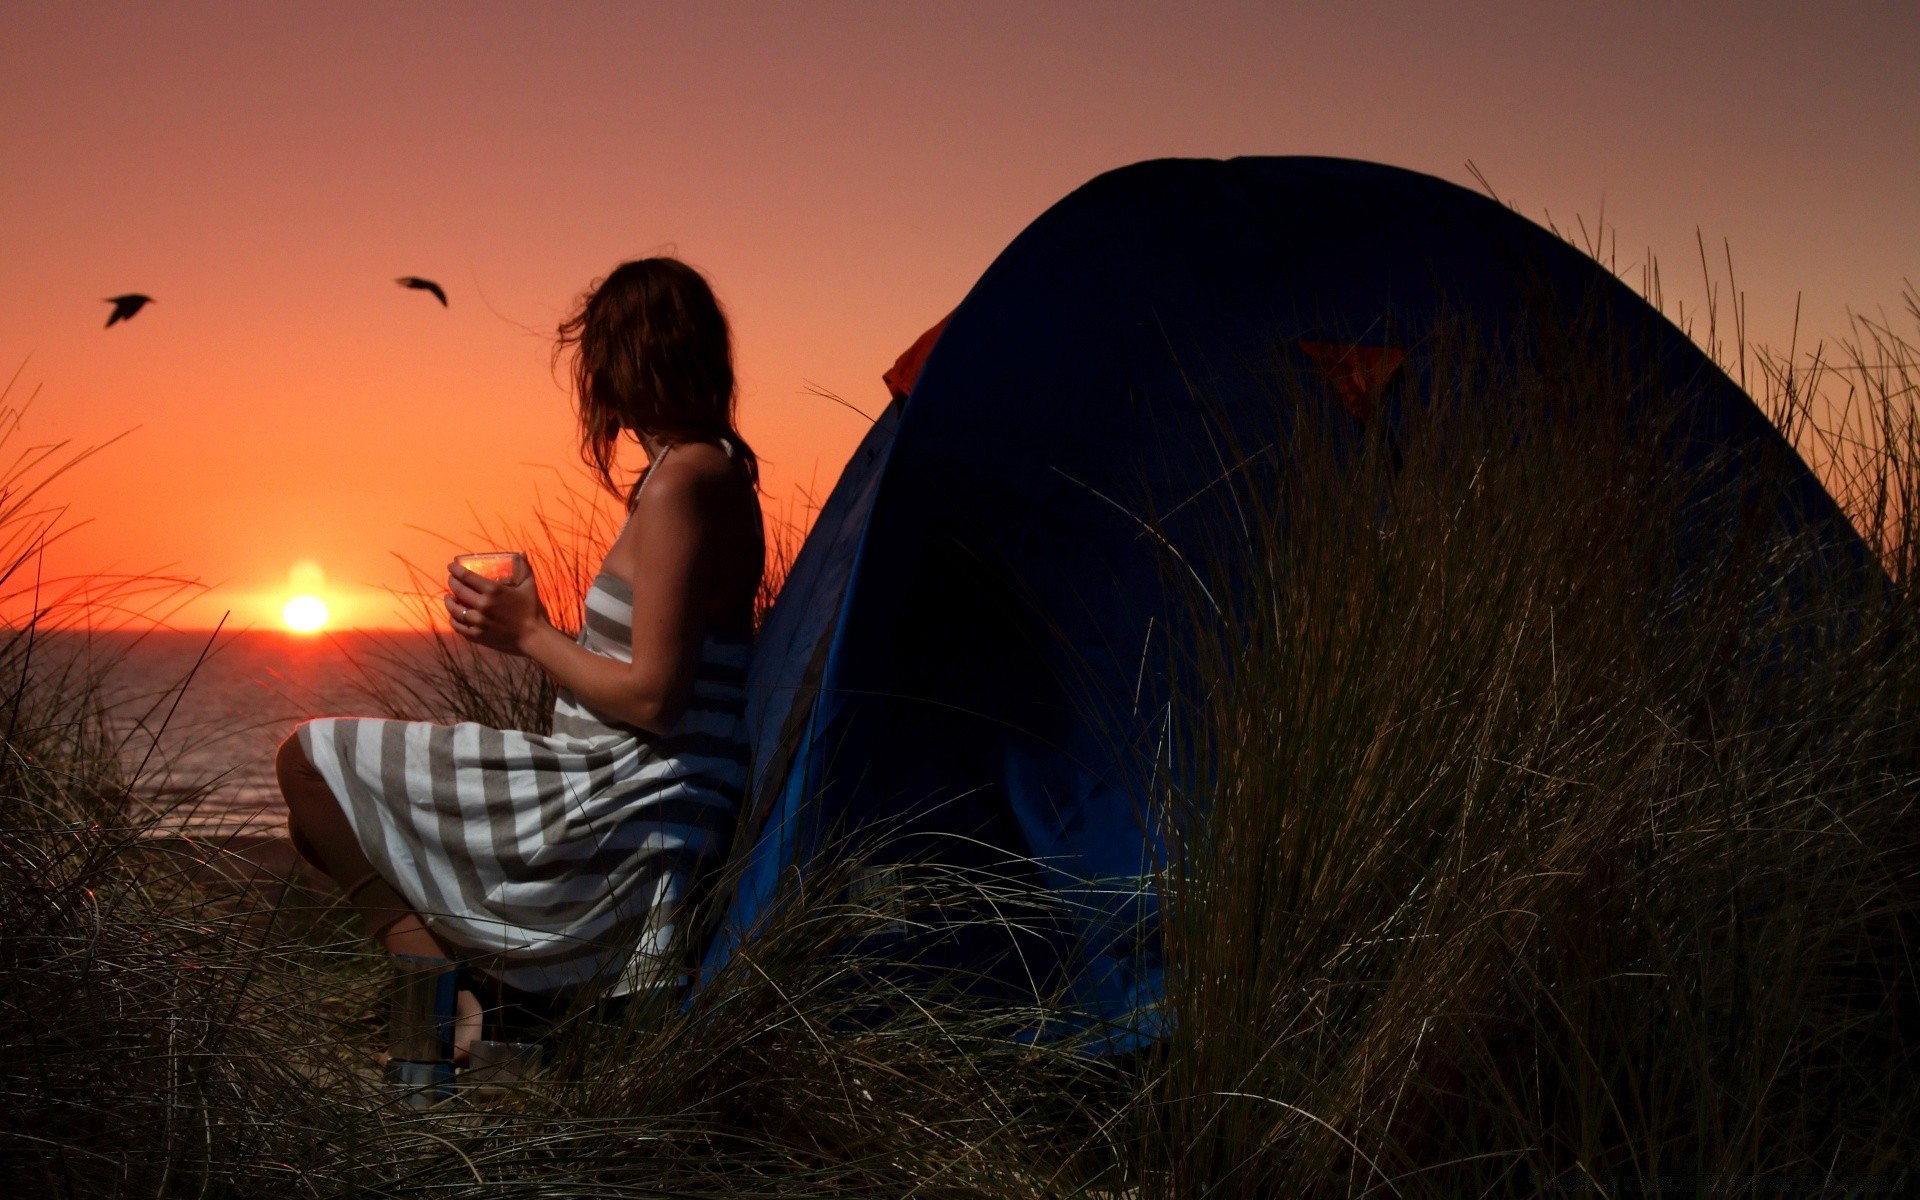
(305, 614)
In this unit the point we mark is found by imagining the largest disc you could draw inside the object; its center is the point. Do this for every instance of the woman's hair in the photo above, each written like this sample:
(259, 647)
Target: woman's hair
(651, 354)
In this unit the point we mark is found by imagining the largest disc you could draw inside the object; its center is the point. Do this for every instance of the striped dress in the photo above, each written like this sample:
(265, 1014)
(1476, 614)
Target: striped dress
(556, 859)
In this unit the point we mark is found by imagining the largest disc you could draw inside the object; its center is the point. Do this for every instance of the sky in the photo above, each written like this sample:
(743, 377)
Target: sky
(290, 419)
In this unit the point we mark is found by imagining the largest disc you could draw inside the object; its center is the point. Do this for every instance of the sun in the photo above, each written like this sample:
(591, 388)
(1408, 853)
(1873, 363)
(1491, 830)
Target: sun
(305, 614)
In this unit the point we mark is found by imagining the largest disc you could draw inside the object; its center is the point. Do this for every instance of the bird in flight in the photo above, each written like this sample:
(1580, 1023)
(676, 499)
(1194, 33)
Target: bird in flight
(125, 306)
(424, 285)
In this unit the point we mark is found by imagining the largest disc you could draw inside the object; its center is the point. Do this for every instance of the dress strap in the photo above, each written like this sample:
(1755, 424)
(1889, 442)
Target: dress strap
(645, 476)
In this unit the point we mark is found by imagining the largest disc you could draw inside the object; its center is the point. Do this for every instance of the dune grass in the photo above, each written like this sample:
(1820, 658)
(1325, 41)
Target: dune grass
(1539, 842)
(1518, 856)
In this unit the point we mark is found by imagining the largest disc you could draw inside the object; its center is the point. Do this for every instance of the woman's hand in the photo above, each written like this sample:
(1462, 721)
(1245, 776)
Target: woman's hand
(499, 616)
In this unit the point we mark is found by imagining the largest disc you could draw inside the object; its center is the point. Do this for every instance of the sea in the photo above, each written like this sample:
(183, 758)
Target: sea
(196, 716)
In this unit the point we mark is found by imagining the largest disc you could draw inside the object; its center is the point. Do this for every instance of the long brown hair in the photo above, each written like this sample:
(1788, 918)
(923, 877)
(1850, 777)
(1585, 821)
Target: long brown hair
(651, 354)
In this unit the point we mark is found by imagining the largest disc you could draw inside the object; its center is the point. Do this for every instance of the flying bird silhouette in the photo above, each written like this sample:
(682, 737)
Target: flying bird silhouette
(125, 306)
(424, 285)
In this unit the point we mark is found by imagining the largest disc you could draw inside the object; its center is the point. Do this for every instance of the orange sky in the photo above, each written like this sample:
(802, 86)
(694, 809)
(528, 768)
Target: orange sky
(843, 172)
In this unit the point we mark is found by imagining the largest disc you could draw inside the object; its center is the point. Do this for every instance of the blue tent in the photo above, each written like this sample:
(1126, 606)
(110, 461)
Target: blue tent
(959, 654)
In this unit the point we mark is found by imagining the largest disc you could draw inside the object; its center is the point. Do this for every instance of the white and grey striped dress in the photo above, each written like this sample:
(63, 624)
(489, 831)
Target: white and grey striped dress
(556, 858)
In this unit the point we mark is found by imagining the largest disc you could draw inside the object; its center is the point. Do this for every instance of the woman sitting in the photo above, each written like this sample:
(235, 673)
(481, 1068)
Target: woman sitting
(551, 861)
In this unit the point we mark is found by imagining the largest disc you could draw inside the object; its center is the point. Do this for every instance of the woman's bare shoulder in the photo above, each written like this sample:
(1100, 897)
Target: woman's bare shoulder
(698, 460)
(686, 498)
(693, 473)
(695, 480)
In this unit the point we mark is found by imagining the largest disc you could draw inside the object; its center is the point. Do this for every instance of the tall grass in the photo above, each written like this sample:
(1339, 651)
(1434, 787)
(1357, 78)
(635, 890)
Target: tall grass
(176, 1024)
(1519, 855)
(133, 1060)
(1552, 827)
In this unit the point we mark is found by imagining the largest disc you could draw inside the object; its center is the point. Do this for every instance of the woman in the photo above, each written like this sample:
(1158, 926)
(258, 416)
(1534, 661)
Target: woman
(552, 861)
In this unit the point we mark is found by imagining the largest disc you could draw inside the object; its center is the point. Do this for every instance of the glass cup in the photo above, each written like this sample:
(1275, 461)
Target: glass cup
(501, 566)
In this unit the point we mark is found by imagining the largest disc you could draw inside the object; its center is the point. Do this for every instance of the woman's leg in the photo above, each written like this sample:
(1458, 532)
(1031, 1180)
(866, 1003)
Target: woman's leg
(323, 837)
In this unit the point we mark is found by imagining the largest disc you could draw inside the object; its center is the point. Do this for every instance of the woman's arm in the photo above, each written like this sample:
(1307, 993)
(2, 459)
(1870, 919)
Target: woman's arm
(667, 550)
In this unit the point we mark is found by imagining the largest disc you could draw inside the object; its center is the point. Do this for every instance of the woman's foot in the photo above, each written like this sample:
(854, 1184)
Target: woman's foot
(469, 1026)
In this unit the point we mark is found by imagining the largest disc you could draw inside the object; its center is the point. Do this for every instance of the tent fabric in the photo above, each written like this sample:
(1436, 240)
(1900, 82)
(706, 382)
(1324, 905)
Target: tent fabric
(959, 668)
(1359, 375)
(900, 377)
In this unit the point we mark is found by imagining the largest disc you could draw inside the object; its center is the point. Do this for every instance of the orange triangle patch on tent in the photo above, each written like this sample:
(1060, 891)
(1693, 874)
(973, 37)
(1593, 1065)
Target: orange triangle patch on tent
(905, 371)
(1359, 375)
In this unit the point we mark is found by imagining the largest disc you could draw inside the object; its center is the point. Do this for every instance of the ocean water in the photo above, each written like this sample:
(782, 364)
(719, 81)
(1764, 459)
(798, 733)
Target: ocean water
(197, 718)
